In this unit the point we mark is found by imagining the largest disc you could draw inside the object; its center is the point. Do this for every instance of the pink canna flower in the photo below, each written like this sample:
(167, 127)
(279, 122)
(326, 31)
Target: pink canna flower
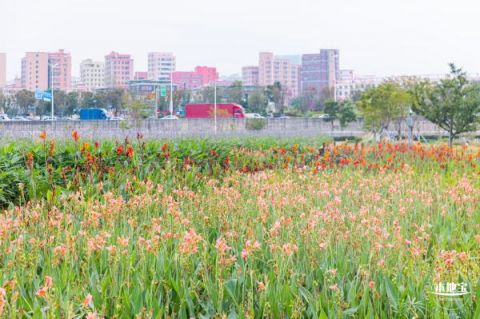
(87, 301)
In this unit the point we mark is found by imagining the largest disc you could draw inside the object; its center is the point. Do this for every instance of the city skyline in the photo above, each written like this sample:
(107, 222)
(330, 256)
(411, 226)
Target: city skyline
(396, 38)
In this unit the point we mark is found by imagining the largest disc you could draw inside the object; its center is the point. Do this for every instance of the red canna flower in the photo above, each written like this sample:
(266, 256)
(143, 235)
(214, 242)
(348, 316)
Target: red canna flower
(75, 136)
(120, 150)
(97, 145)
(164, 147)
(130, 151)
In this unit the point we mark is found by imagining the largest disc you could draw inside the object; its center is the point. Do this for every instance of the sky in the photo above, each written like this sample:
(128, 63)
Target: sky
(375, 37)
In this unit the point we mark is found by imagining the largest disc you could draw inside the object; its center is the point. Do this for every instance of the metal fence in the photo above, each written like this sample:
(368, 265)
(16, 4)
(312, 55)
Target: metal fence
(152, 128)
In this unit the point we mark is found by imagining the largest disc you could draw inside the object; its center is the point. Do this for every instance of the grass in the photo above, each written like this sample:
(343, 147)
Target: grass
(282, 229)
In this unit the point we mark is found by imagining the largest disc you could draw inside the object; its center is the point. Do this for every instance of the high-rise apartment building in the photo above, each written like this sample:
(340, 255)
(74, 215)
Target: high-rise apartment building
(92, 74)
(3, 70)
(35, 71)
(60, 74)
(42, 70)
(320, 71)
(250, 75)
(273, 69)
(161, 65)
(118, 70)
(209, 74)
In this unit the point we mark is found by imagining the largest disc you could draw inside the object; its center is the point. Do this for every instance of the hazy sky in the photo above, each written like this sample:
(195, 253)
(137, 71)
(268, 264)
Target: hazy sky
(380, 37)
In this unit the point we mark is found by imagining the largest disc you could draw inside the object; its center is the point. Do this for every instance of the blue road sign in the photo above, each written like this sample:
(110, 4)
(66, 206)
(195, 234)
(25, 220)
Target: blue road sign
(47, 96)
(38, 94)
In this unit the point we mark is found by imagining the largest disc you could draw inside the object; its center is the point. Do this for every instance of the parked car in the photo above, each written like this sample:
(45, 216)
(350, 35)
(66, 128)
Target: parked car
(253, 116)
(4, 117)
(49, 118)
(170, 117)
(20, 119)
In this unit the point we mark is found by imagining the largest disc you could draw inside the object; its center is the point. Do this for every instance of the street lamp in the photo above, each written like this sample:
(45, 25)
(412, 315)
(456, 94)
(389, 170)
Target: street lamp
(171, 92)
(52, 65)
(410, 127)
(215, 104)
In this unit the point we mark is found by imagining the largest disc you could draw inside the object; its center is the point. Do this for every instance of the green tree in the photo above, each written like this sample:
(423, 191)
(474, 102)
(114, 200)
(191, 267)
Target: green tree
(24, 99)
(347, 113)
(138, 109)
(382, 104)
(453, 104)
(71, 102)
(235, 93)
(3, 102)
(276, 95)
(343, 111)
(87, 99)
(257, 101)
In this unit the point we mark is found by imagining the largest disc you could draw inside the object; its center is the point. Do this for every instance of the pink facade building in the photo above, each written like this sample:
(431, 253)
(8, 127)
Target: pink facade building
(141, 75)
(209, 74)
(187, 79)
(273, 69)
(250, 75)
(118, 70)
(3, 70)
(42, 70)
(35, 71)
(61, 70)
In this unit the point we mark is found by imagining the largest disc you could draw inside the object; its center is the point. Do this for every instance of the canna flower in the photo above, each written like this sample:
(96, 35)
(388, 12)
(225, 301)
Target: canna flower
(334, 287)
(97, 144)
(120, 150)
(43, 135)
(371, 284)
(249, 248)
(3, 299)
(48, 282)
(122, 241)
(221, 246)
(75, 136)
(190, 242)
(87, 301)
(289, 249)
(261, 286)
(92, 315)
(130, 151)
(29, 161)
(42, 292)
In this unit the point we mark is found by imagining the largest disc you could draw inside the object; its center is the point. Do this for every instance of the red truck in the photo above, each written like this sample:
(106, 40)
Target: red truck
(224, 110)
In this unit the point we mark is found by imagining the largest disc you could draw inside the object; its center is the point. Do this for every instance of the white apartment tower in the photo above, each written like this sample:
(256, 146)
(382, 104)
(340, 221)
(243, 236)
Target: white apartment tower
(92, 74)
(161, 65)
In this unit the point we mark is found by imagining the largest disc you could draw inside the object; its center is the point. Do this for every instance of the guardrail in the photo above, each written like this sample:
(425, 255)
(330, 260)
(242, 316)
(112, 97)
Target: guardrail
(153, 128)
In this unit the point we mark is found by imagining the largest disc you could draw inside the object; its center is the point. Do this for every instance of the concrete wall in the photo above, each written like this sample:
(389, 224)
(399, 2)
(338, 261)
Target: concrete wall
(289, 127)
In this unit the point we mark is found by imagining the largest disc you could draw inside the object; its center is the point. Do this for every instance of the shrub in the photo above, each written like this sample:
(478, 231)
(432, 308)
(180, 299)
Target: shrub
(256, 124)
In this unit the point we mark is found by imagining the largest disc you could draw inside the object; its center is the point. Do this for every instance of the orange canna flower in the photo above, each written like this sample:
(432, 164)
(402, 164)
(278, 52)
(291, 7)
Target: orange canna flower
(43, 135)
(130, 151)
(75, 135)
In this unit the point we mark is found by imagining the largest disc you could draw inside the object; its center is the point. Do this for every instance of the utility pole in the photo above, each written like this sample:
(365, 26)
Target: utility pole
(410, 127)
(215, 104)
(51, 88)
(171, 93)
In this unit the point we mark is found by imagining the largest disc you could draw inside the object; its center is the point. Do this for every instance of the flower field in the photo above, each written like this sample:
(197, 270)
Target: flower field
(237, 229)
